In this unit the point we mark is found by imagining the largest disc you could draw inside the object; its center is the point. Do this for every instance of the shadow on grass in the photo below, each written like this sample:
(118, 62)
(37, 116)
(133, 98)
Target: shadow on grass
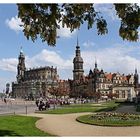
(8, 133)
(106, 109)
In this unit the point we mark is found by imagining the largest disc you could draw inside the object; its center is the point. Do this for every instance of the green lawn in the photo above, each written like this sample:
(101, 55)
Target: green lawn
(77, 108)
(67, 110)
(15, 125)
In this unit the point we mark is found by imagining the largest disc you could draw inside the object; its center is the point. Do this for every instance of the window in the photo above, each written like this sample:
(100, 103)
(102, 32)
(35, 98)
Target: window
(123, 95)
(117, 91)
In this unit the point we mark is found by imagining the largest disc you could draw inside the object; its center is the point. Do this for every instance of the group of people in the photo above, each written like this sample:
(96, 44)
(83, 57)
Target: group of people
(45, 103)
(42, 105)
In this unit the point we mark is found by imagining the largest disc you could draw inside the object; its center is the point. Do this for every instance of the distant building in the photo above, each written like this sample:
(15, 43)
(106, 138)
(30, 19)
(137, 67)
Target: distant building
(39, 81)
(33, 82)
(98, 82)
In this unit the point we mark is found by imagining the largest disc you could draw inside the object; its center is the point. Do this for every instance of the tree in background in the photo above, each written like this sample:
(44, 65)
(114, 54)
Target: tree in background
(113, 95)
(58, 91)
(97, 96)
(43, 20)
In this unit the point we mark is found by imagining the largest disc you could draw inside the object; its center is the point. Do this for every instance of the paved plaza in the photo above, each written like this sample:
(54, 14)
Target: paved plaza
(66, 125)
(17, 106)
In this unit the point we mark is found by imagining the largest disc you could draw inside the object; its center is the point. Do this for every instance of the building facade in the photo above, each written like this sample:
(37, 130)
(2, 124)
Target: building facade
(40, 81)
(100, 83)
(33, 82)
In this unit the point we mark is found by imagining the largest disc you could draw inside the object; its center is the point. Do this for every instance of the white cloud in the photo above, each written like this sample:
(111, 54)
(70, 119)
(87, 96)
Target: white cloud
(52, 58)
(112, 59)
(46, 57)
(107, 9)
(88, 44)
(8, 64)
(65, 32)
(121, 59)
(14, 24)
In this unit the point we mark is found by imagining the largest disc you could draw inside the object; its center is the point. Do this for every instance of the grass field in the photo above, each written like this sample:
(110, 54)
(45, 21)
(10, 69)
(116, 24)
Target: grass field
(19, 126)
(77, 108)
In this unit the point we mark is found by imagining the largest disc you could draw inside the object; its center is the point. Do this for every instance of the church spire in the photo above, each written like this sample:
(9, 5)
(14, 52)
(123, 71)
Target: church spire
(135, 70)
(77, 63)
(21, 66)
(77, 41)
(95, 63)
(21, 49)
(136, 78)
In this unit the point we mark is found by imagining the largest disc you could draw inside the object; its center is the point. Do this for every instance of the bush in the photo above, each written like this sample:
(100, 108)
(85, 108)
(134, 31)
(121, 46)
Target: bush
(138, 108)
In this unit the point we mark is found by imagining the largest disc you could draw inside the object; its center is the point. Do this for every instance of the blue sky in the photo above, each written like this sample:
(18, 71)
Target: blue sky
(112, 53)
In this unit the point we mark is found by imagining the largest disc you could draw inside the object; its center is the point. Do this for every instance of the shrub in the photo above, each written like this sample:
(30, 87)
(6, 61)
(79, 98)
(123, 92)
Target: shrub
(138, 108)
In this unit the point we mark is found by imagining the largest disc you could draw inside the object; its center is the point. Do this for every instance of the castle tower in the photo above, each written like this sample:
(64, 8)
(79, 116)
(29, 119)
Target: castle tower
(95, 76)
(78, 64)
(95, 70)
(21, 66)
(136, 79)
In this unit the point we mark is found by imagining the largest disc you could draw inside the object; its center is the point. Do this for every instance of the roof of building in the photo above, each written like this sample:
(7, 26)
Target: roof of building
(109, 76)
(41, 68)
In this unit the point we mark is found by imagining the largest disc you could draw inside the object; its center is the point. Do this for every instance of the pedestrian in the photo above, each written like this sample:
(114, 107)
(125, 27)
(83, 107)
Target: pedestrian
(37, 102)
(5, 100)
(47, 104)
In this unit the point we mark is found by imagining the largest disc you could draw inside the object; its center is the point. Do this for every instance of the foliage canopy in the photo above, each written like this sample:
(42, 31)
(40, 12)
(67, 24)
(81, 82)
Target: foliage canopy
(43, 20)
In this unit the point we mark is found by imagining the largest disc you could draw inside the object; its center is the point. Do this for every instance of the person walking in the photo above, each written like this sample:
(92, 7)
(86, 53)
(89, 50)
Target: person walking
(5, 100)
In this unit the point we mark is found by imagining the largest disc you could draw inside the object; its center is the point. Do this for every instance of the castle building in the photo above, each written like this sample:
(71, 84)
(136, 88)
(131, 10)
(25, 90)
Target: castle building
(33, 82)
(100, 83)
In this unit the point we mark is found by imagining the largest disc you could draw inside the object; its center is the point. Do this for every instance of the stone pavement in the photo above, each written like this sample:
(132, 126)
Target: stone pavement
(66, 125)
(127, 108)
(17, 106)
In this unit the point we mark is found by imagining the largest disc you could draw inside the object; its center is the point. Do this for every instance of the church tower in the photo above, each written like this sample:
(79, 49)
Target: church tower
(78, 64)
(136, 79)
(95, 69)
(21, 66)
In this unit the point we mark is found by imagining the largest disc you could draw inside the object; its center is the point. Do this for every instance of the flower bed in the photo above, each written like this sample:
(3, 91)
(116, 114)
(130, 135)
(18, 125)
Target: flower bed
(114, 115)
(111, 119)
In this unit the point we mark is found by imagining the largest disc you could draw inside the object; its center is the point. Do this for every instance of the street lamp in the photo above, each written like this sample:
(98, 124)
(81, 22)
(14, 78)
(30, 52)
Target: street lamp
(52, 90)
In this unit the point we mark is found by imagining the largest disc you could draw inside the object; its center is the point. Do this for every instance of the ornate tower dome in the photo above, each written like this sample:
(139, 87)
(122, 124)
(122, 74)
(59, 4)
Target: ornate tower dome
(21, 66)
(78, 64)
(136, 78)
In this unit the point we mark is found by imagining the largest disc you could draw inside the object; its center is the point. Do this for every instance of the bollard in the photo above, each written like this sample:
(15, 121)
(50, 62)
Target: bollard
(26, 108)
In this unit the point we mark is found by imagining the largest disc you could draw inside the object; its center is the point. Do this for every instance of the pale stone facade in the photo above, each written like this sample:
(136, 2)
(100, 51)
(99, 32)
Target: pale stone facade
(33, 82)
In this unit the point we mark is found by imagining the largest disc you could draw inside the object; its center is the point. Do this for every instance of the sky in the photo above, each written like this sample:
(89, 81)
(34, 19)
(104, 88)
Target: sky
(111, 52)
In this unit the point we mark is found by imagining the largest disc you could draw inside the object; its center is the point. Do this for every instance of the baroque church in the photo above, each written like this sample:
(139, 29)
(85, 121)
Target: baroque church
(33, 82)
(101, 84)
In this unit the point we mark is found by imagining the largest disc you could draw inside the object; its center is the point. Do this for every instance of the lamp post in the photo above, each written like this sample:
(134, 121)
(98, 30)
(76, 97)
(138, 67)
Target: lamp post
(53, 93)
(54, 102)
